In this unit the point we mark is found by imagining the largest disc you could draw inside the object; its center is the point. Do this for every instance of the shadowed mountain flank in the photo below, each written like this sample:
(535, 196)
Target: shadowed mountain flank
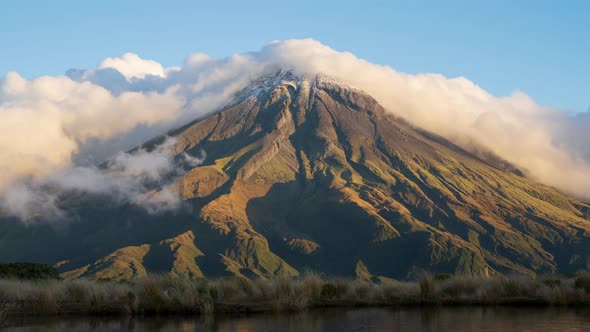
(307, 172)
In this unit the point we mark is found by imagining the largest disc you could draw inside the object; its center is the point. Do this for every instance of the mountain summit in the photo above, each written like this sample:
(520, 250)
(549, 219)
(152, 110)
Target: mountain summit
(306, 172)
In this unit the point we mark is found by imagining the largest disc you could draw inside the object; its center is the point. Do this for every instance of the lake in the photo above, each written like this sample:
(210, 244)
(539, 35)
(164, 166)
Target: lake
(456, 319)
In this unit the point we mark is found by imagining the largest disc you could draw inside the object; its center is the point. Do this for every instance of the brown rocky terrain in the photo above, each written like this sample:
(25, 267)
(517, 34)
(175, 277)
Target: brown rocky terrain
(309, 173)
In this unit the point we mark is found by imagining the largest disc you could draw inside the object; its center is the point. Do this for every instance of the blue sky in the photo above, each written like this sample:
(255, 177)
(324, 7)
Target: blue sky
(540, 47)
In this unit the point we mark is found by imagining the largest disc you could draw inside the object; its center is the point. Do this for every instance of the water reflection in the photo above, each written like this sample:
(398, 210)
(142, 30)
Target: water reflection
(375, 319)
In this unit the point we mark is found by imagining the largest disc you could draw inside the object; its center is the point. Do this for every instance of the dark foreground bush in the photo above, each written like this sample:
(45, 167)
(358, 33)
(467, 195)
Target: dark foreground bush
(442, 276)
(583, 282)
(332, 290)
(552, 282)
(27, 271)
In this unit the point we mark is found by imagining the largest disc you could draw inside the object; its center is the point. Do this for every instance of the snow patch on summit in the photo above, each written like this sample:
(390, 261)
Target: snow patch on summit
(288, 77)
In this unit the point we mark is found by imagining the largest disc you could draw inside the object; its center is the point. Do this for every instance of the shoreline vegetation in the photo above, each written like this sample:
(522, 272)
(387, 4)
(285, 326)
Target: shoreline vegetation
(172, 295)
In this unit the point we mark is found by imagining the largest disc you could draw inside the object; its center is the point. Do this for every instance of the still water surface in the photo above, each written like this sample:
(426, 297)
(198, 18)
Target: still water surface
(339, 320)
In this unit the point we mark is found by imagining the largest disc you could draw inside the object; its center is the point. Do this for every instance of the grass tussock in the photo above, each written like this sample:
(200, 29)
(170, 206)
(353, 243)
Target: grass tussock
(3, 314)
(165, 294)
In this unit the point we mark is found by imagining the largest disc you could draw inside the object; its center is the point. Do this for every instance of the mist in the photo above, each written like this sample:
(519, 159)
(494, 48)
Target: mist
(143, 178)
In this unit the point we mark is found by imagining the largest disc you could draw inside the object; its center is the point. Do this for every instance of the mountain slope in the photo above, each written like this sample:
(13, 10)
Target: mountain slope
(306, 172)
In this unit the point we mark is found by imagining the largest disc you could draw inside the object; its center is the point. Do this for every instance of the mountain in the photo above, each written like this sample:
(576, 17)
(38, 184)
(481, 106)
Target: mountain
(304, 172)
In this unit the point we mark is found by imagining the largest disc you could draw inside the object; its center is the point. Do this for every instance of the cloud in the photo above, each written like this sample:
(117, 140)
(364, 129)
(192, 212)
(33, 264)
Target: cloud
(132, 66)
(143, 178)
(44, 121)
(25, 202)
(51, 125)
(194, 161)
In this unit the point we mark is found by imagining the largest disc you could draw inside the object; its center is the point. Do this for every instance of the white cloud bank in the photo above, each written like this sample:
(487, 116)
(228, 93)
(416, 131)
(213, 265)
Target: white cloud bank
(49, 123)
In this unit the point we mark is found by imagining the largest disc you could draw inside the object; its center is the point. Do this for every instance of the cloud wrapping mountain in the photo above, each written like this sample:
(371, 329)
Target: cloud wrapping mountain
(139, 177)
(44, 121)
(50, 124)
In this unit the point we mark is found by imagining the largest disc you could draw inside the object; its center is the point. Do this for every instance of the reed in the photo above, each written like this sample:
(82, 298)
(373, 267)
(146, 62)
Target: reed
(166, 294)
(3, 314)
